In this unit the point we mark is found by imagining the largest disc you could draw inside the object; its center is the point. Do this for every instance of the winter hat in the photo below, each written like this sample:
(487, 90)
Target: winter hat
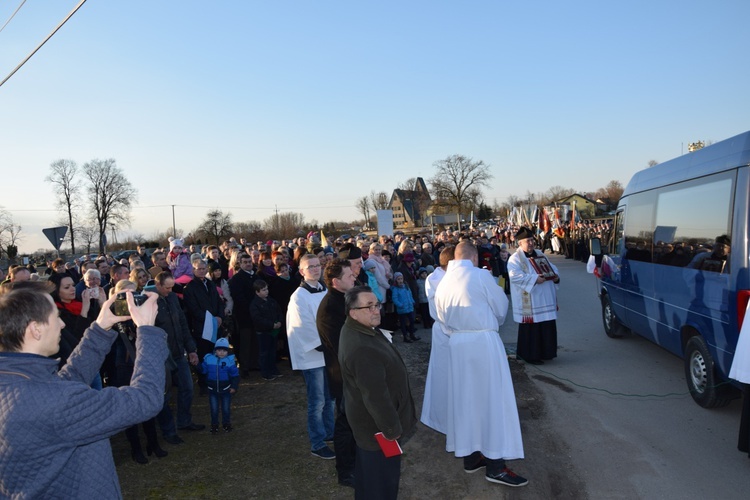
(429, 269)
(397, 274)
(222, 343)
(421, 270)
(214, 266)
(369, 265)
(175, 242)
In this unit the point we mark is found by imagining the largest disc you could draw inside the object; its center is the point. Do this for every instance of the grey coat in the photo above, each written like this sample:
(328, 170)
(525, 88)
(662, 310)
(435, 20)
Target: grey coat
(55, 429)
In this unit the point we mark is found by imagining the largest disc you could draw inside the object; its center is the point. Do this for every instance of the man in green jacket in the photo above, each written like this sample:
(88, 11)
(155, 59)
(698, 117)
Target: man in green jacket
(377, 395)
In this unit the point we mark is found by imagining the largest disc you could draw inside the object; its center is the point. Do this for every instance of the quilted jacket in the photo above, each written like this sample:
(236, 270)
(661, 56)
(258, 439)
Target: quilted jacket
(54, 428)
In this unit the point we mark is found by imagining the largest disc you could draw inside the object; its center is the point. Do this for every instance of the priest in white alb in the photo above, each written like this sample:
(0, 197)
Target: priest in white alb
(482, 424)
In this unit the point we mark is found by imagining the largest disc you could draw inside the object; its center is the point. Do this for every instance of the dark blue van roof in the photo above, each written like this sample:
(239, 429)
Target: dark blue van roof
(724, 155)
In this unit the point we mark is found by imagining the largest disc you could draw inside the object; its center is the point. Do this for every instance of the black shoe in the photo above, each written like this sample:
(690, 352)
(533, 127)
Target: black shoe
(156, 450)
(227, 427)
(507, 477)
(138, 457)
(192, 427)
(214, 429)
(481, 464)
(325, 453)
(535, 362)
(407, 340)
(347, 480)
(174, 439)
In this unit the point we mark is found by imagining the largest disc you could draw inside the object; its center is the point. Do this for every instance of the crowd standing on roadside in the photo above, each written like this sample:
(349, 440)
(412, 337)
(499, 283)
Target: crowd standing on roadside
(278, 302)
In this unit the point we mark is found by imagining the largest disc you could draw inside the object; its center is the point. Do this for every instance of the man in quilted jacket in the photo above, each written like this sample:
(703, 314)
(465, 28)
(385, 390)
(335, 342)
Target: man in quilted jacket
(54, 428)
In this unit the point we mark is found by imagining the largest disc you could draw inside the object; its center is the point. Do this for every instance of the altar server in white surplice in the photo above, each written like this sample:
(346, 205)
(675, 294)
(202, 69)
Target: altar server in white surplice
(482, 423)
(435, 403)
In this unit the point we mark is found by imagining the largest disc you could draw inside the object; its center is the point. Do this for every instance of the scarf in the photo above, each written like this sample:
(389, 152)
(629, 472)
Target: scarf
(527, 315)
(73, 307)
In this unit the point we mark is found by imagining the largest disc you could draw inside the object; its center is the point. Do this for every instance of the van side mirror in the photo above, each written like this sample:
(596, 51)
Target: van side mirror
(595, 246)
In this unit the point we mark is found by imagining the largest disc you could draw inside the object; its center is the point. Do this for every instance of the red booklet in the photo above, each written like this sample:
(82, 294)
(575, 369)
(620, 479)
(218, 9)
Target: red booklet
(390, 448)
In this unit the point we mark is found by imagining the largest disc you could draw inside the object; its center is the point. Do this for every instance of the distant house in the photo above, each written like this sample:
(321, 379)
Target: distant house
(584, 207)
(410, 207)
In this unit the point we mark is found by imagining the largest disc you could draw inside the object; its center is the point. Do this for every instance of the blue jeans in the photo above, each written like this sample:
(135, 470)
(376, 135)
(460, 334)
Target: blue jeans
(319, 407)
(225, 398)
(267, 354)
(184, 379)
(407, 323)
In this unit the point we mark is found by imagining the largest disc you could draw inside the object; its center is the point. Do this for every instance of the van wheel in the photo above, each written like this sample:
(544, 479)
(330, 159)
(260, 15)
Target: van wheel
(701, 375)
(612, 327)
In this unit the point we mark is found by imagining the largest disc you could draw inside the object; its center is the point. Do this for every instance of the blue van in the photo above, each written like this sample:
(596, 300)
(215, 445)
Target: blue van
(675, 269)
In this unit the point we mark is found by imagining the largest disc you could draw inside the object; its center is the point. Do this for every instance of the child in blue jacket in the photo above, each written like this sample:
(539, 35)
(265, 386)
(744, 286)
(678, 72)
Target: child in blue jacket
(223, 379)
(404, 302)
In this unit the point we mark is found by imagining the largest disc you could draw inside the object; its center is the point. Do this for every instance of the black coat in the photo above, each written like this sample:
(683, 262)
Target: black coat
(241, 288)
(330, 318)
(172, 320)
(197, 300)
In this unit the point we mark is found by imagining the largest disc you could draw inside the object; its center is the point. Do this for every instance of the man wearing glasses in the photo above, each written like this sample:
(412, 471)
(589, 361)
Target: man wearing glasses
(377, 395)
(307, 355)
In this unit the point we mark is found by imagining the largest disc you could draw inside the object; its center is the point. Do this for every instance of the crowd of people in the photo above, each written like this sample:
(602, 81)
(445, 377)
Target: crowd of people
(266, 302)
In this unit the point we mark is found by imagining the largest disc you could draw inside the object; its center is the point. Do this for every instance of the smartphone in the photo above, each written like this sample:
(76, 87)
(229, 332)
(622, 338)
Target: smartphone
(120, 306)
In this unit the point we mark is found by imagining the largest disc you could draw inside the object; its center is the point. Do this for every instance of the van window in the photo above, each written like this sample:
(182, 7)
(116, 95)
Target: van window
(690, 217)
(639, 231)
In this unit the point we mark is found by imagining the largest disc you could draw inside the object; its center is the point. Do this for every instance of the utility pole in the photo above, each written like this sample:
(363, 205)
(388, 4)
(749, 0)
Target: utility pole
(174, 228)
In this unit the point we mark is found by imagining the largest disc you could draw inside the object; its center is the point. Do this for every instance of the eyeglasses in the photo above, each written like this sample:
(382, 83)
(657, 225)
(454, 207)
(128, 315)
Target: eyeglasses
(373, 308)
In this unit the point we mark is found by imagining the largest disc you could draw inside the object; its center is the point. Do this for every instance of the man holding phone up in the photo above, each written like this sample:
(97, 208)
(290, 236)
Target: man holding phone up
(55, 429)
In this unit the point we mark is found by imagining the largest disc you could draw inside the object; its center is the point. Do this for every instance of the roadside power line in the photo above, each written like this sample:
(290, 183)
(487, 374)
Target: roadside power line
(75, 9)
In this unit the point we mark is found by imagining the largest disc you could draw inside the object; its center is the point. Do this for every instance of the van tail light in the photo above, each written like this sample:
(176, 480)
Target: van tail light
(743, 296)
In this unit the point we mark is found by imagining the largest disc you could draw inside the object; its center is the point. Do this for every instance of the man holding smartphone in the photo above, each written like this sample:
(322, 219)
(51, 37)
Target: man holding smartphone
(55, 429)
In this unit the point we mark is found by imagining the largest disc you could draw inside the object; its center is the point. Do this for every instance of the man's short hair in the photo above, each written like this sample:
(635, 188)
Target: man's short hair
(335, 269)
(19, 307)
(306, 257)
(351, 298)
(259, 285)
(447, 255)
(163, 276)
(15, 270)
(155, 256)
(115, 270)
(465, 250)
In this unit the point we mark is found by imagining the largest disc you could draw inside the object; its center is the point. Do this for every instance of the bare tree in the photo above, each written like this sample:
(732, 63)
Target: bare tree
(10, 233)
(378, 201)
(556, 193)
(63, 177)
(455, 180)
(363, 207)
(216, 225)
(514, 201)
(110, 193)
(612, 191)
(408, 184)
(288, 224)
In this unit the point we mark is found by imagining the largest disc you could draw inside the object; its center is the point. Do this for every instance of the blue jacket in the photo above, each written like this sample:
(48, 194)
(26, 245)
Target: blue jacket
(221, 373)
(55, 429)
(402, 299)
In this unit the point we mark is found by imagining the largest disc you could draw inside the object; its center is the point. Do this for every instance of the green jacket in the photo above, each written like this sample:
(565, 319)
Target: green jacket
(377, 396)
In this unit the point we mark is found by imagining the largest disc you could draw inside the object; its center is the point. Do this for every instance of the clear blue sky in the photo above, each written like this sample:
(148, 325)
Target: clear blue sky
(308, 105)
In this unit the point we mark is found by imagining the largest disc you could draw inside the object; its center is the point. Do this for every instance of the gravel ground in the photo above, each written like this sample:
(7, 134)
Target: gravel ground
(267, 455)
